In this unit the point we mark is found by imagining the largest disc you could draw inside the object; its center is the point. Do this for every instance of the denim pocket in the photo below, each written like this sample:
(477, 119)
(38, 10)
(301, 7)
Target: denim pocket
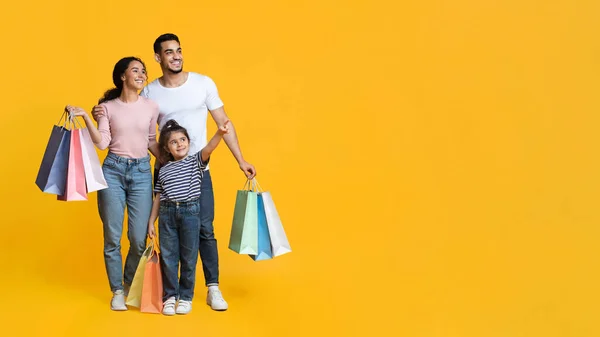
(163, 210)
(144, 167)
(193, 209)
(109, 162)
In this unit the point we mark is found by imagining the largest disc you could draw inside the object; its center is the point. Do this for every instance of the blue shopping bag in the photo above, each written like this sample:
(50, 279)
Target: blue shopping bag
(264, 240)
(52, 175)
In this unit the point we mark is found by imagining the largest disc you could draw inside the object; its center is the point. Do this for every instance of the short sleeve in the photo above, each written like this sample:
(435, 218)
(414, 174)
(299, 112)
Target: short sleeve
(144, 92)
(201, 164)
(158, 187)
(213, 101)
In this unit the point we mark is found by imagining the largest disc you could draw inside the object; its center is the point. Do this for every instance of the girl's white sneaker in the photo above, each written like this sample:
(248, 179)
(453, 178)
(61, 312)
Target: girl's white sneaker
(169, 307)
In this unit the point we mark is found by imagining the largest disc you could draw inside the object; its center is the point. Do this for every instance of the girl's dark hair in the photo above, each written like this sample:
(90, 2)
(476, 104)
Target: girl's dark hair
(166, 131)
(118, 71)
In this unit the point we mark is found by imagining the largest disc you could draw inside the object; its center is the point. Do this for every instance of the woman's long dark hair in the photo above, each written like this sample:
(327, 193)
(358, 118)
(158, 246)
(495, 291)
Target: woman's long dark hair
(166, 131)
(118, 71)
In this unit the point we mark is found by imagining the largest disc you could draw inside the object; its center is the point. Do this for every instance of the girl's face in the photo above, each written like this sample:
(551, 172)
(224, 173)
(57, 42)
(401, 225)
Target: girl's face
(178, 145)
(134, 76)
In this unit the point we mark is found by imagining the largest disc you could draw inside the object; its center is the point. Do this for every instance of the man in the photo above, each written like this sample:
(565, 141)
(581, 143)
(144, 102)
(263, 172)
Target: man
(188, 97)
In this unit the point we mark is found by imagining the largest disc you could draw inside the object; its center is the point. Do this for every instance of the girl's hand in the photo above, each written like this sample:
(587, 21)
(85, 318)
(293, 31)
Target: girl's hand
(224, 129)
(151, 232)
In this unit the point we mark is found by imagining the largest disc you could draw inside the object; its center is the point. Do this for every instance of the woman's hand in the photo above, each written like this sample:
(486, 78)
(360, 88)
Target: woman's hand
(76, 111)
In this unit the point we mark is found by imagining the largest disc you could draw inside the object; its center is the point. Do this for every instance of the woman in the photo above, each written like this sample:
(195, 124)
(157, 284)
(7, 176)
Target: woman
(128, 128)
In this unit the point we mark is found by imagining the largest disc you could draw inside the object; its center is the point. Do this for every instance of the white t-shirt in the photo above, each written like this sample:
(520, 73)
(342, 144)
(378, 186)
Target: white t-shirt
(187, 104)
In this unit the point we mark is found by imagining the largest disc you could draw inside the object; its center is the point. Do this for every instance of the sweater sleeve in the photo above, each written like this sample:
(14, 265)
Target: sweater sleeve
(104, 128)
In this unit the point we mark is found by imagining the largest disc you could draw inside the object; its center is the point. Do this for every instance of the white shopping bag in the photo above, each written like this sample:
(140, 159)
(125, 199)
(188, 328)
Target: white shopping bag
(94, 178)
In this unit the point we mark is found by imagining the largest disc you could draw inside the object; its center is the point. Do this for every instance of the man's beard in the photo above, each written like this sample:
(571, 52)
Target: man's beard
(175, 71)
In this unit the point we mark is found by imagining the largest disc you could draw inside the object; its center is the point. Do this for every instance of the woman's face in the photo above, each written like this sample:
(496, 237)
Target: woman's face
(178, 145)
(135, 76)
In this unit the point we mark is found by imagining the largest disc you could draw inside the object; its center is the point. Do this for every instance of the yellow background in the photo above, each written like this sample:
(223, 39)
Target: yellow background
(435, 164)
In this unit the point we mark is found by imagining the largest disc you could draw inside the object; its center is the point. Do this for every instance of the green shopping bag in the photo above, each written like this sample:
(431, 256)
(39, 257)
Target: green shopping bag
(244, 229)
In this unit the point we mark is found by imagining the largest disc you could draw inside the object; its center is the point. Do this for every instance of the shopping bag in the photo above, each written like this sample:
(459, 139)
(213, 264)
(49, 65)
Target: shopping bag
(264, 241)
(152, 289)
(94, 178)
(75, 189)
(244, 230)
(52, 174)
(134, 298)
(279, 240)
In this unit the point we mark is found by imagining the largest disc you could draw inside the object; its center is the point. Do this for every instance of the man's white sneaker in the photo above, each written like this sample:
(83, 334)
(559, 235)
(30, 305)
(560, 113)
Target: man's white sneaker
(216, 300)
(117, 302)
(169, 307)
(184, 307)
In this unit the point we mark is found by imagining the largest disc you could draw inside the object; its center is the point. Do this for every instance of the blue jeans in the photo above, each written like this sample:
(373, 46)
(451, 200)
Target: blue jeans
(129, 184)
(209, 255)
(178, 228)
(208, 244)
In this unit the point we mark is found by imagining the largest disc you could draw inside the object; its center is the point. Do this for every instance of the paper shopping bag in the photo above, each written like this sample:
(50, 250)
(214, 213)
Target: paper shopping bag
(244, 230)
(94, 178)
(264, 241)
(75, 189)
(152, 290)
(52, 174)
(134, 298)
(279, 241)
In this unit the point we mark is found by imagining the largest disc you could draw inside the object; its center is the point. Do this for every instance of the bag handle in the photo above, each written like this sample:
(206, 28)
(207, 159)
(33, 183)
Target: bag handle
(65, 112)
(155, 250)
(74, 121)
(258, 187)
(252, 185)
(246, 185)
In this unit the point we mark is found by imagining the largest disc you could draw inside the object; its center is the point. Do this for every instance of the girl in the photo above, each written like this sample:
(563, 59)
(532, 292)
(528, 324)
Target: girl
(128, 128)
(178, 204)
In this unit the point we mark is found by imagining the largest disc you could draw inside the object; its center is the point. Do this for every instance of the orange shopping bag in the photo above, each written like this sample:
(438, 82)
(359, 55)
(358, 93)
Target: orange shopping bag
(152, 290)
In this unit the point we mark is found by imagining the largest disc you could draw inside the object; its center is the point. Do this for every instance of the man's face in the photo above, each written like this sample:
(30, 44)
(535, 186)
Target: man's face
(170, 57)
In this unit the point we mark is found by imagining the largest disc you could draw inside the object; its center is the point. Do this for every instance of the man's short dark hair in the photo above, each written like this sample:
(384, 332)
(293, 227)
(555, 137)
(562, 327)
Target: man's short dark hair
(164, 38)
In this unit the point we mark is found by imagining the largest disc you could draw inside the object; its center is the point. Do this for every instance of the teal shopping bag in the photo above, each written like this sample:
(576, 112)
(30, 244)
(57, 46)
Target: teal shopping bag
(244, 229)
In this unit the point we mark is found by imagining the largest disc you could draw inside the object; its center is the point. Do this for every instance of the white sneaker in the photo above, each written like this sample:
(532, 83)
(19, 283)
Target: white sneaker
(184, 307)
(117, 302)
(215, 300)
(169, 307)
